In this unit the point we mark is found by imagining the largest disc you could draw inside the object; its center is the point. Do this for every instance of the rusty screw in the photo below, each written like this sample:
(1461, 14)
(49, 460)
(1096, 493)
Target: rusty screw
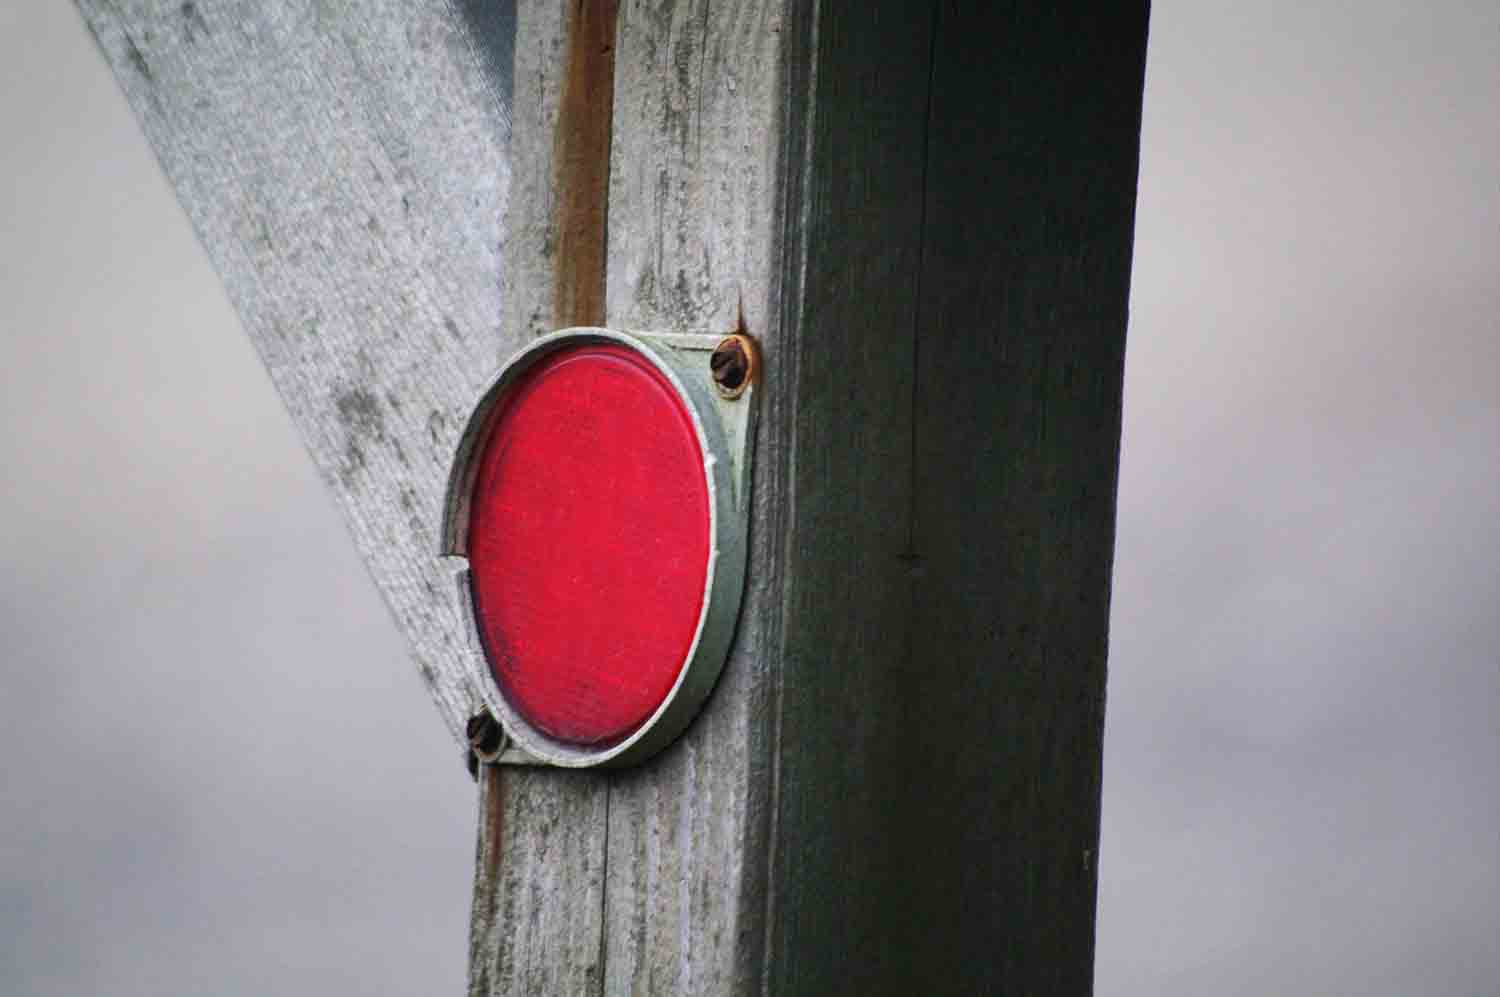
(486, 739)
(733, 365)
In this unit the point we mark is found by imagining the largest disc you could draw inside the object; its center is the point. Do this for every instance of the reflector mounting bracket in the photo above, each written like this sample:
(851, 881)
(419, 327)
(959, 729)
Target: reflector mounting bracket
(724, 422)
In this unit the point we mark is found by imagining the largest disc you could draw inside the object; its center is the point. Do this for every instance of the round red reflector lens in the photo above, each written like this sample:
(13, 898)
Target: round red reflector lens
(589, 542)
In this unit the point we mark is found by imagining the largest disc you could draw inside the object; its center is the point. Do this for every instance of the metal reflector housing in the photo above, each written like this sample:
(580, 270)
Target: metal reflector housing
(598, 499)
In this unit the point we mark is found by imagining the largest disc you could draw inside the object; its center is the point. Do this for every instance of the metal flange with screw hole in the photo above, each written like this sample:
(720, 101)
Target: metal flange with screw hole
(715, 374)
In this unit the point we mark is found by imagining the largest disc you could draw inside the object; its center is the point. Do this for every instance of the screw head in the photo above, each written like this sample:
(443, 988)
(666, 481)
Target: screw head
(733, 365)
(485, 735)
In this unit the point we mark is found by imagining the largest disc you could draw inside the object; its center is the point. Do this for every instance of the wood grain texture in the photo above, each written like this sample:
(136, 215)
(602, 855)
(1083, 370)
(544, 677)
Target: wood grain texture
(692, 180)
(540, 864)
(845, 852)
(530, 276)
(924, 211)
(1030, 212)
(344, 165)
(539, 883)
(581, 136)
(948, 588)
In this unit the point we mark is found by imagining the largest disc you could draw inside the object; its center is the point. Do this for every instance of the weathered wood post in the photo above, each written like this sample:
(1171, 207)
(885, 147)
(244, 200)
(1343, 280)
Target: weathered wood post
(924, 212)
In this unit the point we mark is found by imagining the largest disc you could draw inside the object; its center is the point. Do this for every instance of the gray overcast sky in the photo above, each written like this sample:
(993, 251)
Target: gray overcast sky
(221, 775)
(1302, 761)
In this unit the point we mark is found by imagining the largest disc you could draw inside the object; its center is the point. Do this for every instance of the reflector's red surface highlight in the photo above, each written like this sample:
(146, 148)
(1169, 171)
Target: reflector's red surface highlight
(589, 542)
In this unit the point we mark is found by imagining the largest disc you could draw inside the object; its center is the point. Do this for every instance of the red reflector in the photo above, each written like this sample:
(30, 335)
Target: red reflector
(589, 542)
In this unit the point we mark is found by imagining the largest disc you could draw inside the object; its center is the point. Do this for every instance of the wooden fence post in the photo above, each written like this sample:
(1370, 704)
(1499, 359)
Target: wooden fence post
(924, 212)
